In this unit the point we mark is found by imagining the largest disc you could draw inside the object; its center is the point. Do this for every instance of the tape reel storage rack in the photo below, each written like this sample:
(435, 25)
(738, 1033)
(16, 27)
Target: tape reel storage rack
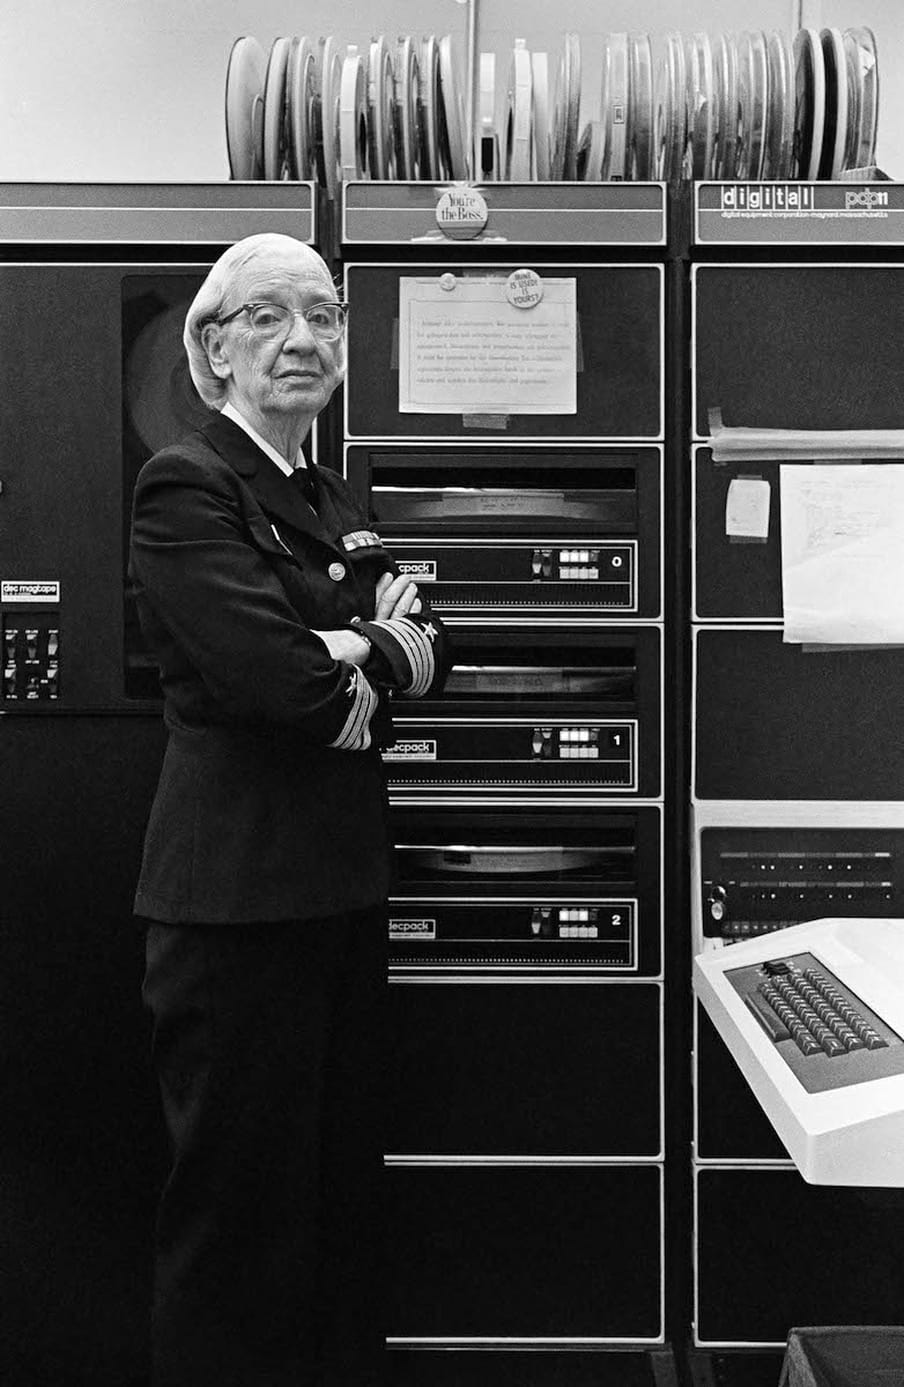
(526, 1161)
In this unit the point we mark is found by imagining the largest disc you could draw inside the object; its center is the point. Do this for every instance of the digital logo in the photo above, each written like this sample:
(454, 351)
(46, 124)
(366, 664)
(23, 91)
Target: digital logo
(767, 197)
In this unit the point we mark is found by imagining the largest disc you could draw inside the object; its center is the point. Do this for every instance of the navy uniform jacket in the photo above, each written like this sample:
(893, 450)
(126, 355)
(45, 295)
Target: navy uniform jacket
(272, 801)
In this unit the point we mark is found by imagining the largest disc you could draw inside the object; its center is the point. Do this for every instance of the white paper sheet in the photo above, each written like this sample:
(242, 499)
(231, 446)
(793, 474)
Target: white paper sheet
(469, 351)
(843, 553)
(747, 508)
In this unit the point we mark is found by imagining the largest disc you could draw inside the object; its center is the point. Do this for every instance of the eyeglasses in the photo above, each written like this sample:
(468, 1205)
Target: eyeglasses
(271, 320)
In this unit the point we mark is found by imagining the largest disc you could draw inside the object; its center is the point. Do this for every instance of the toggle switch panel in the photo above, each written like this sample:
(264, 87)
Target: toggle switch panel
(31, 657)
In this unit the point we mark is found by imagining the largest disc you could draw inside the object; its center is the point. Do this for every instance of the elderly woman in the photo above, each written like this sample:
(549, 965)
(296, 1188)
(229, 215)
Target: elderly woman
(280, 626)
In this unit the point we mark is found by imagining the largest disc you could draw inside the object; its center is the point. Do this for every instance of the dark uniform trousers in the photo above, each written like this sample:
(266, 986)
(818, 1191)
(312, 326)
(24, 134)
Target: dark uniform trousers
(268, 1044)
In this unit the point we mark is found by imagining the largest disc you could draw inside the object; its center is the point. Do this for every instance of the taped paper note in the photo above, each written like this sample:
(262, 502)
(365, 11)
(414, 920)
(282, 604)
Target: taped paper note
(467, 350)
(843, 553)
(747, 508)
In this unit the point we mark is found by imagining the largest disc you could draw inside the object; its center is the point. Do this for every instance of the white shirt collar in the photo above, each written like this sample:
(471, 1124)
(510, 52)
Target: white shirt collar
(230, 411)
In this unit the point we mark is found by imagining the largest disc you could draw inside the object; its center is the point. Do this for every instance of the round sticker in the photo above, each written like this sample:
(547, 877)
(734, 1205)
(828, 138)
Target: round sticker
(524, 288)
(461, 213)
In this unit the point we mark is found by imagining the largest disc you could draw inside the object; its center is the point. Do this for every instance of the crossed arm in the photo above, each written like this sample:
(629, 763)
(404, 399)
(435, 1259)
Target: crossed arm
(395, 597)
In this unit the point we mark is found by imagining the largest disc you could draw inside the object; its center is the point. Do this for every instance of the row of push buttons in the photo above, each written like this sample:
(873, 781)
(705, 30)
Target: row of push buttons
(573, 742)
(731, 930)
(747, 929)
(577, 922)
(568, 922)
(580, 742)
(573, 564)
(583, 564)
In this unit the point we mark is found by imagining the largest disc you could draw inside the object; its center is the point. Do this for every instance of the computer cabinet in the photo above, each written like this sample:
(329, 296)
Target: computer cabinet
(795, 775)
(526, 1147)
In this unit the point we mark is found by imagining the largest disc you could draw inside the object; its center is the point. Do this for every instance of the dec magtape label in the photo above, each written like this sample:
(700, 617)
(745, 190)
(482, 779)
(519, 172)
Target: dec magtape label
(29, 590)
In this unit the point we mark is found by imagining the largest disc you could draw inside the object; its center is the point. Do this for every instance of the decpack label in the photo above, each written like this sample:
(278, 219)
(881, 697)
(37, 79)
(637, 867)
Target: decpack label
(409, 928)
(425, 569)
(421, 749)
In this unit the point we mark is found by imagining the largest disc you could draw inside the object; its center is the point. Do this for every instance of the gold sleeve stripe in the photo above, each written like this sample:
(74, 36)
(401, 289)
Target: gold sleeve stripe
(418, 651)
(355, 734)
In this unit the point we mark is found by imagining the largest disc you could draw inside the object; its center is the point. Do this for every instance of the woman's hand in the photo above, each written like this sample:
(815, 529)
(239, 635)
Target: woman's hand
(346, 645)
(396, 597)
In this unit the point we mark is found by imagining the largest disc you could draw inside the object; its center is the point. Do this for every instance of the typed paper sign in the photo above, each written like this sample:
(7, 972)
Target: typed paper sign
(466, 348)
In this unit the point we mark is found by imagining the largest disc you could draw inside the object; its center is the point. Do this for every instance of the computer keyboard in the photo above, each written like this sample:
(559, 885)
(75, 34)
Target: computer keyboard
(810, 1015)
(817, 1032)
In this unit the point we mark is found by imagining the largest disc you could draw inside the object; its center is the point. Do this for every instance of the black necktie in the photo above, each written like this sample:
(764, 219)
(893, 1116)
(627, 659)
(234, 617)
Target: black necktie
(302, 478)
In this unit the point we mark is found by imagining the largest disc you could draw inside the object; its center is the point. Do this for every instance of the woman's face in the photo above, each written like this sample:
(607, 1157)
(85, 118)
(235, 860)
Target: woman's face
(290, 377)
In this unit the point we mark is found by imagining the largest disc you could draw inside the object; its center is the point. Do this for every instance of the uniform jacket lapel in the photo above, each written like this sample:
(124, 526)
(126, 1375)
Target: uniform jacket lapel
(278, 494)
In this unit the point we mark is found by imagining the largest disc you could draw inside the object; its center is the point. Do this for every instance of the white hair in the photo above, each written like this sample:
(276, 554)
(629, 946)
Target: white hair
(207, 305)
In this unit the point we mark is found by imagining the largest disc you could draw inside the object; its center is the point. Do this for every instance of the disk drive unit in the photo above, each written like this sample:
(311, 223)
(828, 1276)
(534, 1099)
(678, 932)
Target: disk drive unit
(529, 533)
(566, 712)
(547, 892)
